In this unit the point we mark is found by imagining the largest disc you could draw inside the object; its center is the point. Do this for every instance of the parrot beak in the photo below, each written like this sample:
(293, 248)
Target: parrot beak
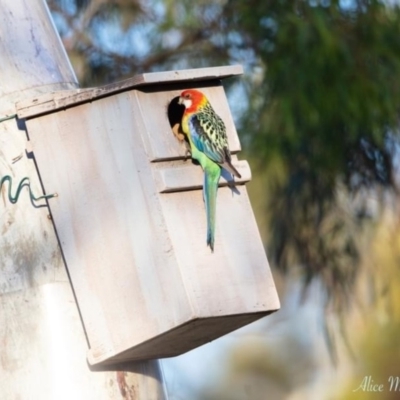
(185, 102)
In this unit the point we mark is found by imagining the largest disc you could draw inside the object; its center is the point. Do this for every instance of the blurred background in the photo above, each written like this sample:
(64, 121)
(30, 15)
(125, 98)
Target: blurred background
(317, 112)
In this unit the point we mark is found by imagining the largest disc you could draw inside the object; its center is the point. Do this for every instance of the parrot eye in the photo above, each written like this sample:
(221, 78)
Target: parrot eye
(187, 96)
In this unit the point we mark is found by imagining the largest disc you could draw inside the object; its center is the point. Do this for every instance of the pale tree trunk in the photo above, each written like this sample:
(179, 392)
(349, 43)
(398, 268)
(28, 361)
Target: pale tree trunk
(42, 341)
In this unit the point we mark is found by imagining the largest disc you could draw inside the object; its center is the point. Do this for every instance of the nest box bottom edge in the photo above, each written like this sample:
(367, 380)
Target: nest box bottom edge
(177, 341)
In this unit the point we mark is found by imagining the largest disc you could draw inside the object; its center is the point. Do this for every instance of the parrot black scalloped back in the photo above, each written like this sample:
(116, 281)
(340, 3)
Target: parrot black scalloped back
(130, 217)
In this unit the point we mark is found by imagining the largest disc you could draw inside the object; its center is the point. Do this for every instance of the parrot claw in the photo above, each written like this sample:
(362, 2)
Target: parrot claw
(188, 154)
(176, 129)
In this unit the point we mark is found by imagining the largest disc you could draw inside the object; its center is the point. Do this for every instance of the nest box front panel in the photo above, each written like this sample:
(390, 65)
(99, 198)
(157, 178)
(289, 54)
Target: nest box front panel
(236, 278)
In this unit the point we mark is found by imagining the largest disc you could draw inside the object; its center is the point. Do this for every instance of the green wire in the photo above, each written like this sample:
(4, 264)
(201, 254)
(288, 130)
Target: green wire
(24, 181)
(8, 117)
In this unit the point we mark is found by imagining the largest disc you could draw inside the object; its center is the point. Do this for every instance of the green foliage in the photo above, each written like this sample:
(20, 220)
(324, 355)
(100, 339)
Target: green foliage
(328, 97)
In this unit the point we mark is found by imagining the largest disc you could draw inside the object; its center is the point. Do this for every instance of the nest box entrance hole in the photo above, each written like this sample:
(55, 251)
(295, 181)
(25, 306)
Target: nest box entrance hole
(175, 113)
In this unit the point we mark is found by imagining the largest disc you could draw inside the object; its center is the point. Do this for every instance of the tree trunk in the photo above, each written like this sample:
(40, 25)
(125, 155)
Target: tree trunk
(42, 341)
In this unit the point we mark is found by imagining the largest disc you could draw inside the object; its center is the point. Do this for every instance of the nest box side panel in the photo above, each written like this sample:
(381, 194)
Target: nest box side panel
(108, 218)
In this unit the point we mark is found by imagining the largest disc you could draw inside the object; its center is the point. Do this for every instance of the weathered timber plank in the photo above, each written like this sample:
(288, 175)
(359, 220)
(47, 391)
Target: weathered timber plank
(67, 98)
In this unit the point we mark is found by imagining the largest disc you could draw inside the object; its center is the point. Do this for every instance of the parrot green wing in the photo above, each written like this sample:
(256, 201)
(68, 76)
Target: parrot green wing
(208, 134)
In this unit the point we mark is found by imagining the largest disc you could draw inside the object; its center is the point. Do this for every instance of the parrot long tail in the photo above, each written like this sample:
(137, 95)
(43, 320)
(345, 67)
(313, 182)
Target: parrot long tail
(210, 188)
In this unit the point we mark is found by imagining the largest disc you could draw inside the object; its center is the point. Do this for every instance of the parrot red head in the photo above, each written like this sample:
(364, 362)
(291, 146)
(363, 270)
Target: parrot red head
(192, 100)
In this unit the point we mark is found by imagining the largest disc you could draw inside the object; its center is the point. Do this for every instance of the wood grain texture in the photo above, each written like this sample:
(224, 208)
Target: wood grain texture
(62, 99)
(146, 283)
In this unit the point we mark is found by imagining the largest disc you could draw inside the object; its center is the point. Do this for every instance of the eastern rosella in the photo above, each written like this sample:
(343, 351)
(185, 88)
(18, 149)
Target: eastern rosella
(206, 133)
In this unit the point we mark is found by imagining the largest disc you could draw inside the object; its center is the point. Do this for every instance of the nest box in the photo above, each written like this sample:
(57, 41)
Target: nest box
(131, 222)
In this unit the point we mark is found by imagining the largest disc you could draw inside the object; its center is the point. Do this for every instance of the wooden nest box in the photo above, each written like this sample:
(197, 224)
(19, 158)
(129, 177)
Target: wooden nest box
(131, 222)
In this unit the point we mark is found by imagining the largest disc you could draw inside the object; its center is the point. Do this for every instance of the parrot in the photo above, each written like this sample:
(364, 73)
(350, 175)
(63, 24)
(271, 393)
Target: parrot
(206, 133)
